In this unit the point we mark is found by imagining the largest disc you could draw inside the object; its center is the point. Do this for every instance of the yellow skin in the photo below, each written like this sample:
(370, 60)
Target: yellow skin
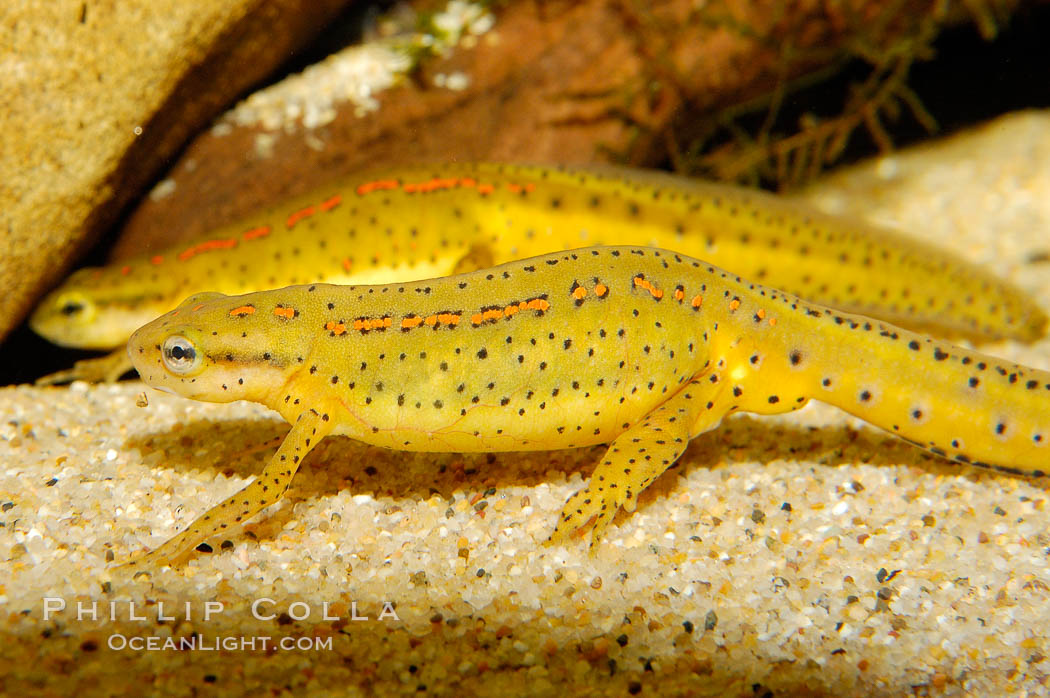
(420, 222)
(639, 347)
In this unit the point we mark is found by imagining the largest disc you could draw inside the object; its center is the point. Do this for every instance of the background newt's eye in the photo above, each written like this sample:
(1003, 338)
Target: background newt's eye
(75, 306)
(180, 356)
(71, 308)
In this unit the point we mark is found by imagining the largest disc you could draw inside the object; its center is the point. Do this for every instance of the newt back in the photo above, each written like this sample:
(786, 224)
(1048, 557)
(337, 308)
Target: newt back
(418, 222)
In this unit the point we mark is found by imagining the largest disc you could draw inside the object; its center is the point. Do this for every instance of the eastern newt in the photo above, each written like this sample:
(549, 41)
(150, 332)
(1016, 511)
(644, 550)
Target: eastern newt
(638, 347)
(418, 222)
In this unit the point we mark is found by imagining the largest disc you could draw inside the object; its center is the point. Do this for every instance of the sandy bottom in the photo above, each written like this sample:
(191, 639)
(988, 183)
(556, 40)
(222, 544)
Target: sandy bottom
(804, 554)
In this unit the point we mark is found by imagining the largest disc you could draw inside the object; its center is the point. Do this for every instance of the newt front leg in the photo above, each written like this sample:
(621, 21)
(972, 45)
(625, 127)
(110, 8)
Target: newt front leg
(309, 428)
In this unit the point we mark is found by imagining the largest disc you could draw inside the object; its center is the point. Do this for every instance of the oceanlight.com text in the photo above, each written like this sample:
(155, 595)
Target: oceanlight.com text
(229, 643)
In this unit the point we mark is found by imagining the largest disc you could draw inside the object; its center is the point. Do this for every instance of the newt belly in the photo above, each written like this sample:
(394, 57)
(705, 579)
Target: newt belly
(637, 347)
(419, 222)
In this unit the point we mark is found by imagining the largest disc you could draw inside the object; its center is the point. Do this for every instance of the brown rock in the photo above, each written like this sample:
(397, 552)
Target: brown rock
(96, 96)
(595, 80)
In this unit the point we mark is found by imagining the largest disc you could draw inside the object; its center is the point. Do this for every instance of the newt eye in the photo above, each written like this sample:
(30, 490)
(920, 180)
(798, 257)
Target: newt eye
(74, 306)
(180, 356)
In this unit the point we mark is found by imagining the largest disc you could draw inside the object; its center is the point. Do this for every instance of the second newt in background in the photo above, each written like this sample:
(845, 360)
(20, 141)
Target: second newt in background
(637, 347)
(417, 222)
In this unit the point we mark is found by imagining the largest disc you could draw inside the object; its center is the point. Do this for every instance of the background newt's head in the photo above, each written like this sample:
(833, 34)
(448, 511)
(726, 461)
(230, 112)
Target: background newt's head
(212, 347)
(98, 308)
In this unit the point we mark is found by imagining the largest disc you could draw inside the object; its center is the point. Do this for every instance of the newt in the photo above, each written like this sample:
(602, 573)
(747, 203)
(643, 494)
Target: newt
(637, 347)
(418, 222)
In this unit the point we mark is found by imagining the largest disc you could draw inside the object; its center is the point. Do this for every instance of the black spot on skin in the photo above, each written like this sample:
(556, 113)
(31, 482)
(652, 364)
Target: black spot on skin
(913, 345)
(773, 399)
(865, 395)
(483, 353)
(796, 358)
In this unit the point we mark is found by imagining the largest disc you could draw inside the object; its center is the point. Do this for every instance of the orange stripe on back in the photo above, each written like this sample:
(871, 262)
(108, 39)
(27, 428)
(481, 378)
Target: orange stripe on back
(642, 282)
(220, 244)
(299, 215)
(378, 185)
(260, 232)
(331, 202)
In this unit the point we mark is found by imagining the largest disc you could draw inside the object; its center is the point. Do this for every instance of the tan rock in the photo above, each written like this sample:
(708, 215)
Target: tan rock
(96, 96)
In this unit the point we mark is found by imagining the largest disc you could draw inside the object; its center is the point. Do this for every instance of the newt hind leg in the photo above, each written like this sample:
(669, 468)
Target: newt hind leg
(308, 430)
(639, 455)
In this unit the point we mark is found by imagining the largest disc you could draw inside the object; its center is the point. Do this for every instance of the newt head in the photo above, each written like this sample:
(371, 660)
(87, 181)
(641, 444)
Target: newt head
(209, 348)
(96, 308)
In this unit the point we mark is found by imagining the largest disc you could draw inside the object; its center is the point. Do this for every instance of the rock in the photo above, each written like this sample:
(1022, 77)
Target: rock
(595, 80)
(97, 96)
